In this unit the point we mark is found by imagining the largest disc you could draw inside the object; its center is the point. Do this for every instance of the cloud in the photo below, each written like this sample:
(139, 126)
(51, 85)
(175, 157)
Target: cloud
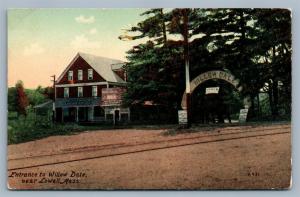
(82, 43)
(85, 20)
(93, 31)
(33, 49)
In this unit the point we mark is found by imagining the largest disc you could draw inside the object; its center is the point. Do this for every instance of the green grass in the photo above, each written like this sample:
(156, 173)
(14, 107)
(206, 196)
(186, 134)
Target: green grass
(26, 130)
(32, 127)
(23, 129)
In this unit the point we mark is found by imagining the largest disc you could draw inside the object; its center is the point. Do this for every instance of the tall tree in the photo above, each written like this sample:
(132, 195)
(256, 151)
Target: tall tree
(152, 68)
(240, 39)
(252, 44)
(275, 36)
(22, 101)
(153, 26)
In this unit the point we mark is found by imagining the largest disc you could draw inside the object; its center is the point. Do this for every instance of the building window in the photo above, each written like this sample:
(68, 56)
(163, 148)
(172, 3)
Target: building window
(94, 91)
(79, 75)
(66, 92)
(90, 74)
(70, 75)
(80, 92)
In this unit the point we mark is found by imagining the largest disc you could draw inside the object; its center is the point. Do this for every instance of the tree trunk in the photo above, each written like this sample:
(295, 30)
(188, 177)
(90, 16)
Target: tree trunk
(163, 26)
(270, 93)
(252, 108)
(251, 112)
(275, 90)
(242, 25)
(258, 105)
(275, 99)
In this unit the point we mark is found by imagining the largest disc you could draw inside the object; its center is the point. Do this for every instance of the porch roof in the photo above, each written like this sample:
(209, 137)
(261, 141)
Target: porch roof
(45, 105)
(78, 102)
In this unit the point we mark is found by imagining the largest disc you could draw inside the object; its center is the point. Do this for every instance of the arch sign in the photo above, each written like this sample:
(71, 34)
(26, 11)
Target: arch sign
(214, 74)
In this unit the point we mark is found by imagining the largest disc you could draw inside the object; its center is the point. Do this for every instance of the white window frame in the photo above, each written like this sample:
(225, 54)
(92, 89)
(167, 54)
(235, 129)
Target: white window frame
(90, 74)
(94, 93)
(79, 91)
(80, 76)
(70, 75)
(66, 93)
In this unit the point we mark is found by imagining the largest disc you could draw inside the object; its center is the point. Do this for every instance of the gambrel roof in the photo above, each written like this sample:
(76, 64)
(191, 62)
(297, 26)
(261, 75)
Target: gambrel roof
(102, 65)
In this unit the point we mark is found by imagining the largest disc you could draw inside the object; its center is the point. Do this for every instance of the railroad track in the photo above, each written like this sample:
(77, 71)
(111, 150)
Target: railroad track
(186, 141)
(120, 145)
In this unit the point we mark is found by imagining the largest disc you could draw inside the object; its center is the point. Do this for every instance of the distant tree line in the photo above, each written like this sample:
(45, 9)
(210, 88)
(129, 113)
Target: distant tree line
(252, 44)
(19, 98)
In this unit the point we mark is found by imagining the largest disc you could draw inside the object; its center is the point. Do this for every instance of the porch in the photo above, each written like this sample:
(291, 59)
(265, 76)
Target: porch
(79, 114)
(89, 110)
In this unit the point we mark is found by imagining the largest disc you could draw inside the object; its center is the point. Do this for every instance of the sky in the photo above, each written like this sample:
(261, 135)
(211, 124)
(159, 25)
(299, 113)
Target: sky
(42, 42)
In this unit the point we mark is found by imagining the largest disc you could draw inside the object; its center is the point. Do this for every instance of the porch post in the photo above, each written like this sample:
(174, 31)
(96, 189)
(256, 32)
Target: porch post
(92, 113)
(128, 115)
(62, 114)
(77, 114)
(114, 118)
(53, 112)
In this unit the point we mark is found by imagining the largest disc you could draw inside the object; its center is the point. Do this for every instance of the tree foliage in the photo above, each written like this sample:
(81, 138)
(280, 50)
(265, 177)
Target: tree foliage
(252, 44)
(22, 100)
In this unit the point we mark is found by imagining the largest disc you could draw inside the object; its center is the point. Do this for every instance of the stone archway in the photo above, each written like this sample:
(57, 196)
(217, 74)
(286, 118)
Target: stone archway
(214, 74)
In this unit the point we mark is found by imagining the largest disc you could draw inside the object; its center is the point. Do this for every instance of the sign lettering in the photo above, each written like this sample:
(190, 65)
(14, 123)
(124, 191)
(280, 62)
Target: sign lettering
(212, 90)
(243, 115)
(112, 96)
(182, 116)
(214, 74)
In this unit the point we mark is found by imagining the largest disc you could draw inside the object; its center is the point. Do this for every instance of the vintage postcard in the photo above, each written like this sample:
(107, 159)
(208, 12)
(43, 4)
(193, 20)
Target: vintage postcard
(112, 99)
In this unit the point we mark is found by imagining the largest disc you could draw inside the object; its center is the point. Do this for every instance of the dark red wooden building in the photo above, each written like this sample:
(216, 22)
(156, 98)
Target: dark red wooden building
(78, 90)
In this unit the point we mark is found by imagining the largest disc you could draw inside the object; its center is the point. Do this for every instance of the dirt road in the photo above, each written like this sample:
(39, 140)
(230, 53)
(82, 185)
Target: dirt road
(241, 157)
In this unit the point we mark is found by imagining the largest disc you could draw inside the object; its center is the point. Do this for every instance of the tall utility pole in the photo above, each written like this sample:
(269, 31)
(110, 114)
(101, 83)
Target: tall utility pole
(187, 65)
(54, 96)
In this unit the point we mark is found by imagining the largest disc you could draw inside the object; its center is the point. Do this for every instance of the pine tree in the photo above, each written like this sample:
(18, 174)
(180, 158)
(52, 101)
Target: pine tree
(244, 41)
(153, 27)
(275, 36)
(152, 68)
(252, 44)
